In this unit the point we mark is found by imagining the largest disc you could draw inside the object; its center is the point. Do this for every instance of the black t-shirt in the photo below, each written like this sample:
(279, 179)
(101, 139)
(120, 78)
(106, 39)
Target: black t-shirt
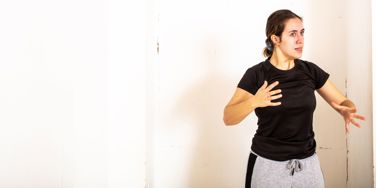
(285, 132)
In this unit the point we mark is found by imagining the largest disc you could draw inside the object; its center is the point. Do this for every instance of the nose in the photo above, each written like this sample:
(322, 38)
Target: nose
(300, 39)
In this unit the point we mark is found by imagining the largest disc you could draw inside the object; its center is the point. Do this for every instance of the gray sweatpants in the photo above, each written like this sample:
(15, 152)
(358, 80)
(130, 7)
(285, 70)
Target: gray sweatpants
(296, 173)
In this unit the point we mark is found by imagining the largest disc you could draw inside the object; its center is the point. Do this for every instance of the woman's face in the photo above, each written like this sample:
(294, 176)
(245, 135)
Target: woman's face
(291, 42)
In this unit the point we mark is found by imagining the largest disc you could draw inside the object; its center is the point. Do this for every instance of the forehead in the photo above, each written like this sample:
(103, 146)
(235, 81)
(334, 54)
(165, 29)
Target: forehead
(293, 24)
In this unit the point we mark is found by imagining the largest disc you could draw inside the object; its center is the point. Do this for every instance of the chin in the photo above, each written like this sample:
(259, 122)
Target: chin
(297, 56)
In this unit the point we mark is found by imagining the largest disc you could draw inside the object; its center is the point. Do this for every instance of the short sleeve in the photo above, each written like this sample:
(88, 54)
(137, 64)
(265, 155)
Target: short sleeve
(319, 75)
(249, 81)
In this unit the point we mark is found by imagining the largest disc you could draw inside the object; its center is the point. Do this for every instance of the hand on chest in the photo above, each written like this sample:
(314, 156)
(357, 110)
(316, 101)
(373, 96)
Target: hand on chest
(297, 92)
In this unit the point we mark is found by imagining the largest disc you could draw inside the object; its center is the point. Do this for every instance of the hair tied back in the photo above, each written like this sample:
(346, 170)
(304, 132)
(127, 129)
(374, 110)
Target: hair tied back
(268, 45)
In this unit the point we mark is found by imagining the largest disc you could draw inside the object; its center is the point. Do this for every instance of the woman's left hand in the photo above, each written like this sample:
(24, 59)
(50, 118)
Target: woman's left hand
(349, 115)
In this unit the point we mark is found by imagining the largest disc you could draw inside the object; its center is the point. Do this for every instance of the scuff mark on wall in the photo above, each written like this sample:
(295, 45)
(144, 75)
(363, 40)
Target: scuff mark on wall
(325, 147)
(158, 47)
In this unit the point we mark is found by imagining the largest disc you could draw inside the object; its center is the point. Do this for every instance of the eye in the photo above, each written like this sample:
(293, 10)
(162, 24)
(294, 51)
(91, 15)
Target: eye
(302, 33)
(293, 34)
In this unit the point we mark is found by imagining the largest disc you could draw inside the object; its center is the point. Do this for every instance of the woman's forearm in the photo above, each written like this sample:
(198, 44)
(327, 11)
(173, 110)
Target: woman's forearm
(234, 114)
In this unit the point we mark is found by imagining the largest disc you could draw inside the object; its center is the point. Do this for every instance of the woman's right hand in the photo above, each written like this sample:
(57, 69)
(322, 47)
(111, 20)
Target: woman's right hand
(265, 95)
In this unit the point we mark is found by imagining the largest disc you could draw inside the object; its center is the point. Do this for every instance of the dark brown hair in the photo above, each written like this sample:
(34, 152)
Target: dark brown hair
(275, 26)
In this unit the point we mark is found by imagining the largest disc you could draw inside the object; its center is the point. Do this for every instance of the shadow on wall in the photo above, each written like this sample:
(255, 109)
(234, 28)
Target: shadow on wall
(220, 153)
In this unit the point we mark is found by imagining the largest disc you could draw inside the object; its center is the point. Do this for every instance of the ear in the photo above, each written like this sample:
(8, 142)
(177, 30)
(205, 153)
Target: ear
(275, 39)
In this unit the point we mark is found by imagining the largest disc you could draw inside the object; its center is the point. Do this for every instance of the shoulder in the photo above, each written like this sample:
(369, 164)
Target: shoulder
(308, 66)
(256, 72)
(252, 78)
(318, 75)
(305, 64)
(258, 68)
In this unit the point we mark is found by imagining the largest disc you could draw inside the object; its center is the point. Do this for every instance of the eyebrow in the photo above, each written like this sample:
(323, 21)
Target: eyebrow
(293, 31)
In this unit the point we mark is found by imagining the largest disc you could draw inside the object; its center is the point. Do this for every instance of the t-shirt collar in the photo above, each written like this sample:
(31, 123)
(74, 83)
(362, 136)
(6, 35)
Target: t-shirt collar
(268, 64)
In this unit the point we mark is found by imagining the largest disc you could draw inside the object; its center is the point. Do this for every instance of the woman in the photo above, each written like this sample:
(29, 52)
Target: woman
(281, 92)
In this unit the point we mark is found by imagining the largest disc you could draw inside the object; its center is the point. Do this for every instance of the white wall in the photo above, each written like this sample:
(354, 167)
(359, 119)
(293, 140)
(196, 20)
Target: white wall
(127, 93)
(73, 82)
(87, 101)
(53, 94)
(342, 48)
(359, 89)
(346, 37)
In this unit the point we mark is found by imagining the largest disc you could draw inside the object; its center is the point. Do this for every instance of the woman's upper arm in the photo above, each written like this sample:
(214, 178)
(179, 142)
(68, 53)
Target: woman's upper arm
(239, 96)
(330, 93)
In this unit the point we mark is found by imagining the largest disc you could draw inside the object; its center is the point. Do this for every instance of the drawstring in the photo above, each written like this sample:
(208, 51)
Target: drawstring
(294, 166)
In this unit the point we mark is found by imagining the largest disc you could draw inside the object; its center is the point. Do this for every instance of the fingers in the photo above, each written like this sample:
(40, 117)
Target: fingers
(267, 95)
(355, 123)
(264, 85)
(352, 121)
(270, 98)
(275, 92)
(347, 124)
(271, 86)
(275, 103)
(357, 116)
(275, 97)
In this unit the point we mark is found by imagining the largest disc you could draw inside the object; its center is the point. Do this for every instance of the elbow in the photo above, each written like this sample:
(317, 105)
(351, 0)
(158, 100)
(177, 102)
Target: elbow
(229, 122)
(229, 119)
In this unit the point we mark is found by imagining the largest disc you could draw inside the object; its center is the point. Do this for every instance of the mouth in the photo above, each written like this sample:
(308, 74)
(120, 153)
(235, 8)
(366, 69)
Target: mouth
(300, 50)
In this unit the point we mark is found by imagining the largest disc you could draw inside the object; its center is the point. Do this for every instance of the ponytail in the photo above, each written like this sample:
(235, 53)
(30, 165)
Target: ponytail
(268, 50)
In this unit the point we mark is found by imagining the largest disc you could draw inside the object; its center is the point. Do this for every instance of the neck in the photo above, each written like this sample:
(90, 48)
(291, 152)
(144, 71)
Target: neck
(281, 62)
